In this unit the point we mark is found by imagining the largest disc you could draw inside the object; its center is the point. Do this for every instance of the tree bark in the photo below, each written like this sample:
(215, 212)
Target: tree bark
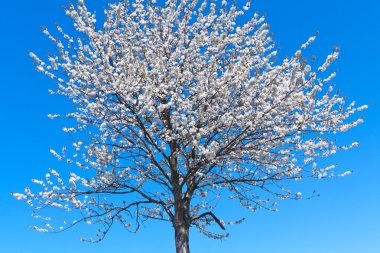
(182, 238)
(182, 226)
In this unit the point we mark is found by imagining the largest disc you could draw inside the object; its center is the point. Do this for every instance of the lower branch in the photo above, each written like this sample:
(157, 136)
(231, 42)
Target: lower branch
(219, 222)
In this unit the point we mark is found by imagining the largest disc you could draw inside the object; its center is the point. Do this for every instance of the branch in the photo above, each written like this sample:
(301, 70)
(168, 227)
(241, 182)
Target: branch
(219, 222)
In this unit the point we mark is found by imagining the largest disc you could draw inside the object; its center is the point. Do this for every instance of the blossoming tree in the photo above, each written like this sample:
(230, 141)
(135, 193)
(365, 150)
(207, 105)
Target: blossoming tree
(176, 107)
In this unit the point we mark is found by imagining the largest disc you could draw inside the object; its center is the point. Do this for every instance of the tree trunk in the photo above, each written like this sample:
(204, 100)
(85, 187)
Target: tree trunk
(182, 238)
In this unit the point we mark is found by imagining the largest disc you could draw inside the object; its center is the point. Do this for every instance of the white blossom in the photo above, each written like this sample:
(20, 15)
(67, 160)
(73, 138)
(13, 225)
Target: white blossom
(19, 196)
(177, 106)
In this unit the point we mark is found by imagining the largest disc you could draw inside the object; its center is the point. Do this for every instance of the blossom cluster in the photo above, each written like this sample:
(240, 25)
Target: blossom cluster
(179, 101)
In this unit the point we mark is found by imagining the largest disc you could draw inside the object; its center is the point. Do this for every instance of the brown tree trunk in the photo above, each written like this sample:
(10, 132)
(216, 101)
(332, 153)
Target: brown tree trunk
(182, 238)
(182, 226)
(181, 219)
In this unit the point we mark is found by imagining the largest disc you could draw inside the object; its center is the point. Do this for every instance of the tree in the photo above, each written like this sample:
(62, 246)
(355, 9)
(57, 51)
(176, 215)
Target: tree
(177, 106)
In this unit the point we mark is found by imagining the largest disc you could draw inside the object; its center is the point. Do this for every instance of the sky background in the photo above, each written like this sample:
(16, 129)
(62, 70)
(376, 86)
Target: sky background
(345, 218)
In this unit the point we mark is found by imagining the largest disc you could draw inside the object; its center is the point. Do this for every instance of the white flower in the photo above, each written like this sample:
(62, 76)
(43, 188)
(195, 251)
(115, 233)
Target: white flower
(19, 196)
(346, 173)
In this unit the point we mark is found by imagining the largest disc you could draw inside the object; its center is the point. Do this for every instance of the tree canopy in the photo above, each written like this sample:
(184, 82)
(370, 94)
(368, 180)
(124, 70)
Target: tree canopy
(178, 105)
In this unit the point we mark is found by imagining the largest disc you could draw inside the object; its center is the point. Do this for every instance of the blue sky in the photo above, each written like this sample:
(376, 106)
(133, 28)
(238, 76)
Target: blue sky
(345, 218)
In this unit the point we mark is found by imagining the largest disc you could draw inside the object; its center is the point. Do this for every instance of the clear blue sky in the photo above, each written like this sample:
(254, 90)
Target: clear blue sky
(346, 218)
